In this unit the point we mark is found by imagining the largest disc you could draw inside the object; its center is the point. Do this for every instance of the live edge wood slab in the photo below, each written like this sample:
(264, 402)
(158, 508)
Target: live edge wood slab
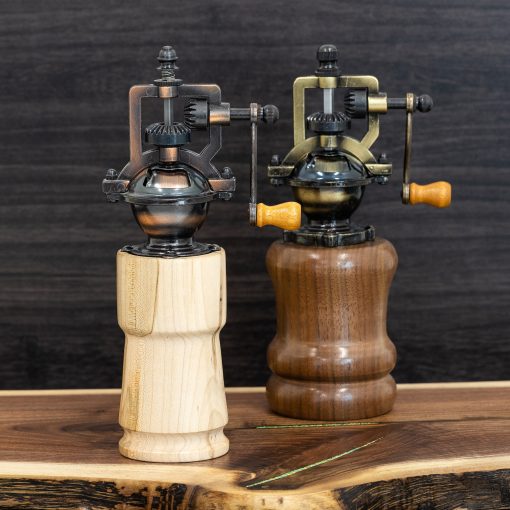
(444, 446)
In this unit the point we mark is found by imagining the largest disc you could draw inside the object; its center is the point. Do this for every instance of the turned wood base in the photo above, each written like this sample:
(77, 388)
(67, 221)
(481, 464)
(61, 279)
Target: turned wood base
(331, 401)
(173, 447)
(173, 406)
(331, 356)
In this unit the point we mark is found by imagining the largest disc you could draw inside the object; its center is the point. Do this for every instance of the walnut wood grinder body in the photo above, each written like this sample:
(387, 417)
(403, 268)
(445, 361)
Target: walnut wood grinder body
(173, 406)
(331, 357)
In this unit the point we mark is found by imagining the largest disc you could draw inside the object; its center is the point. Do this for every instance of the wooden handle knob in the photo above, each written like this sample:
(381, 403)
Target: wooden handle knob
(436, 194)
(285, 216)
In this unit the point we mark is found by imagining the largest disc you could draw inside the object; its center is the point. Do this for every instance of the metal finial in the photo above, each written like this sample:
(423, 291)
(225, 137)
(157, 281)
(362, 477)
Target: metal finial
(167, 58)
(327, 55)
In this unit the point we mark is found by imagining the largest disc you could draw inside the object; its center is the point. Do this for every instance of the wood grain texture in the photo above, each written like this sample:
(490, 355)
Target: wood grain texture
(172, 406)
(66, 68)
(441, 447)
(331, 356)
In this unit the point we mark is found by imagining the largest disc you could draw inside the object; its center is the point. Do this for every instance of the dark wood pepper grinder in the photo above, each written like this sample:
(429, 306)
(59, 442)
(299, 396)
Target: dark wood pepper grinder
(331, 357)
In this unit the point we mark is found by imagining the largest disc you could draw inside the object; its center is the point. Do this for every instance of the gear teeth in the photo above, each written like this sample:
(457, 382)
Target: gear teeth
(355, 104)
(163, 129)
(196, 114)
(190, 111)
(328, 123)
(164, 135)
(349, 103)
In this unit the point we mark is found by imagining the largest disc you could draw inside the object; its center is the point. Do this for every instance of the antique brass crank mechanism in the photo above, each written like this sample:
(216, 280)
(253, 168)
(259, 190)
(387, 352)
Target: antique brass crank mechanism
(329, 171)
(358, 104)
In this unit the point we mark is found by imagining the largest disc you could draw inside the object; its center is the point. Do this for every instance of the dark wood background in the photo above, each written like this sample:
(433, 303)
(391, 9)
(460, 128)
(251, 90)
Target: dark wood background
(66, 67)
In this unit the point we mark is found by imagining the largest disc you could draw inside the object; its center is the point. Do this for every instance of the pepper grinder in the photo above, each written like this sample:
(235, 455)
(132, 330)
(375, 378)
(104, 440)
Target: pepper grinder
(331, 357)
(171, 291)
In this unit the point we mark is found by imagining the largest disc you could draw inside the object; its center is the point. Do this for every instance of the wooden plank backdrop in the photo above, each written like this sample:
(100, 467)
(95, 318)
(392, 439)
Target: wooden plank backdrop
(66, 67)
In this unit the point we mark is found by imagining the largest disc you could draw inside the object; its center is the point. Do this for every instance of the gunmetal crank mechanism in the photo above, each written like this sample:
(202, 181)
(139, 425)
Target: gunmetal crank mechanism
(168, 185)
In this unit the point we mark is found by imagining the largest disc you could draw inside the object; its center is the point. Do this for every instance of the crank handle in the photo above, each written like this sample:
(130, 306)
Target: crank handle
(437, 194)
(286, 216)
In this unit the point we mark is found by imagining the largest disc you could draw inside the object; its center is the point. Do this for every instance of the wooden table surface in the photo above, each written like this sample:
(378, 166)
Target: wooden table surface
(444, 446)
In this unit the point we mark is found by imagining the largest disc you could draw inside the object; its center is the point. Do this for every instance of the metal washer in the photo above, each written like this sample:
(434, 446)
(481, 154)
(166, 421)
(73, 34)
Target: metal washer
(330, 238)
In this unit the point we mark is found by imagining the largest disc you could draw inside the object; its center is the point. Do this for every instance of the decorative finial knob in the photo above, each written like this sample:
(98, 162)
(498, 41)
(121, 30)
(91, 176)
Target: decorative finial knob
(327, 55)
(167, 57)
(424, 103)
(270, 114)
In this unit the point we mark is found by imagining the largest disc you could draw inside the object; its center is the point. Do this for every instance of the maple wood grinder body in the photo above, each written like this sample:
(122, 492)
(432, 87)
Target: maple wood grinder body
(171, 291)
(331, 357)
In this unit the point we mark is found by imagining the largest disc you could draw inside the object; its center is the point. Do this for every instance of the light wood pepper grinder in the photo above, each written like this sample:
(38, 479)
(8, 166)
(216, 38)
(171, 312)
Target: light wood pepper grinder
(171, 293)
(331, 357)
